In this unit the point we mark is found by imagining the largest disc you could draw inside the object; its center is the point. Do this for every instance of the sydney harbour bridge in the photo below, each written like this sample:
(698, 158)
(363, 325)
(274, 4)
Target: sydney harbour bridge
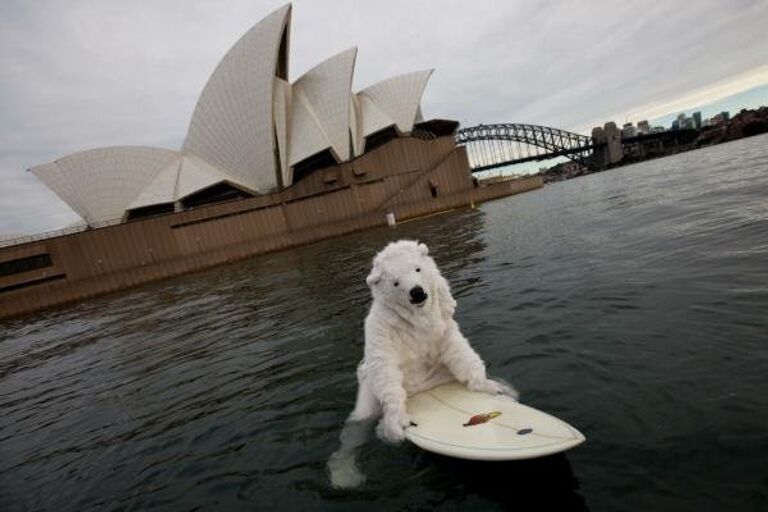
(491, 146)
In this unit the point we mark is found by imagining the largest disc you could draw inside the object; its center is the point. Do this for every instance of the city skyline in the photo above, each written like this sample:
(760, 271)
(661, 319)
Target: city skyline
(752, 98)
(70, 69)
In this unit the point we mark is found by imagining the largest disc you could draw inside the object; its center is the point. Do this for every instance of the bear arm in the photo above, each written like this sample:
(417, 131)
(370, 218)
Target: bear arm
(446, 300)
(460, 358)
(387, 382)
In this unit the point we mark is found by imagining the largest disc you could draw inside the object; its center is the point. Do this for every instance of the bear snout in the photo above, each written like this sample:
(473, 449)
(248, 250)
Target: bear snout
(418, 295)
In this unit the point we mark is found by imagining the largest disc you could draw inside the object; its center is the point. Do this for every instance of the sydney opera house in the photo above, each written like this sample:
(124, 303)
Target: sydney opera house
(267, 163)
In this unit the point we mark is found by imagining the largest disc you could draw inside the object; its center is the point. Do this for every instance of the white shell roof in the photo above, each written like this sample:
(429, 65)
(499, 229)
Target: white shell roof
(373, 118)
(186, 175)
(356, 125)
(398, 98)
(160, 190)
(249, 127)
(100, 184)
(281, 108)
(307, 136)
(196, 174)
(324, 92)
(232, 124)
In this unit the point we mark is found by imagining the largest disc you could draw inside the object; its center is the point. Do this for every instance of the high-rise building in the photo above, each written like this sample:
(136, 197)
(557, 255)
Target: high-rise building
(628, 131)
(697, 120)
(643, 127)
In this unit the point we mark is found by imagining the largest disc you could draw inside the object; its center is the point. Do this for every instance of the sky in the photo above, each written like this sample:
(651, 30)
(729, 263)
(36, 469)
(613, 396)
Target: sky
(78, 74)
(733, 104)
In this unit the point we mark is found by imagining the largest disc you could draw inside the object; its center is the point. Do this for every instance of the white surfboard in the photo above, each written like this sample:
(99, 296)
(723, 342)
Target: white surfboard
(451, 420)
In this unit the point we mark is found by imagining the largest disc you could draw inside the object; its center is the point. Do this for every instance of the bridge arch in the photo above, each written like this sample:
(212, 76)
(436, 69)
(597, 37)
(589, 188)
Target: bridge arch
(496, 145)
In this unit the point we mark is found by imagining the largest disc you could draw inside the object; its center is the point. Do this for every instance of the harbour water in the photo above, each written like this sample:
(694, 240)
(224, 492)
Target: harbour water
(631, 303)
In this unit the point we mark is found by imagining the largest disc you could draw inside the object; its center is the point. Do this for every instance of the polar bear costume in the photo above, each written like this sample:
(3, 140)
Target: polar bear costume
(412, 343)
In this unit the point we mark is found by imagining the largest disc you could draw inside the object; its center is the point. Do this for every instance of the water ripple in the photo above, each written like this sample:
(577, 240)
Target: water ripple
(631, 303)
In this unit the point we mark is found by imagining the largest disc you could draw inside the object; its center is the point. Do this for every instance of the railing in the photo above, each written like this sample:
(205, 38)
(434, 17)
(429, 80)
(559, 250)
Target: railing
(35, 237)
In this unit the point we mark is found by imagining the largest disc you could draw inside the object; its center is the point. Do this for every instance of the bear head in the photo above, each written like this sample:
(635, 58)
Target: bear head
(405, 276)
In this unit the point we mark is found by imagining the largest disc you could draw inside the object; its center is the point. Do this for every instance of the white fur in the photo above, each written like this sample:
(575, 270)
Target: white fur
(408, 348)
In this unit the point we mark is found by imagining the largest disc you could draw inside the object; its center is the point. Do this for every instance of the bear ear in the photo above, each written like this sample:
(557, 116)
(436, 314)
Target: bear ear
(374, 277)
(423, 249)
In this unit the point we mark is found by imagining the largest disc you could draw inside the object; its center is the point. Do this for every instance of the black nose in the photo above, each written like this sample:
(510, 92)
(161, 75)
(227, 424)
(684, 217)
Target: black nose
(418, 295)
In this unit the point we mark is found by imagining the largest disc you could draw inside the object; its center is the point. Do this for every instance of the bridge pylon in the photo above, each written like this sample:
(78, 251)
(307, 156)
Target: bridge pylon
(608, 147)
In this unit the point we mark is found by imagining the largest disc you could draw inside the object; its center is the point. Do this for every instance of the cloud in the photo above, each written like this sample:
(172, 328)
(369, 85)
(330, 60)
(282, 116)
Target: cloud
(78, 74)
(703, 95)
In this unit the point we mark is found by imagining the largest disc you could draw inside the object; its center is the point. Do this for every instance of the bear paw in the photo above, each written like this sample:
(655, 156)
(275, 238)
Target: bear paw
(391, 428)
(493, 388)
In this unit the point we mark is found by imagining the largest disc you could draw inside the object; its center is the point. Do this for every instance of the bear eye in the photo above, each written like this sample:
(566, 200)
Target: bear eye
(397, 283)
(418, 269)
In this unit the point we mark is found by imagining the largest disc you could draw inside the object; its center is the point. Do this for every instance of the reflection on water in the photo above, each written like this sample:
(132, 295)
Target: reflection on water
(547, 483)
(630, 303)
